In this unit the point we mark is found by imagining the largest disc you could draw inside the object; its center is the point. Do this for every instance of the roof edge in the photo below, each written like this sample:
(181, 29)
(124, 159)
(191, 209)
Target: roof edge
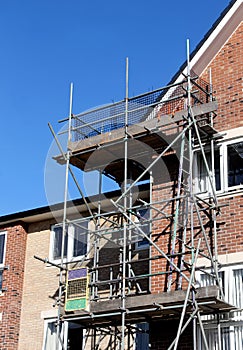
(48, 209)
(204, 39)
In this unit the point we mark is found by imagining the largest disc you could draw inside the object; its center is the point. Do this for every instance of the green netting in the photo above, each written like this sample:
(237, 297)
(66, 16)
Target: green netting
(75, 304)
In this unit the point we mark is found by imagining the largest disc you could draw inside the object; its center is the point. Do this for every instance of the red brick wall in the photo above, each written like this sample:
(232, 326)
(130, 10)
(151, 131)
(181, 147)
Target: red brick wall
(10, 301)
(227, 73)
(227, 76)
(161, 236)
(230, 230)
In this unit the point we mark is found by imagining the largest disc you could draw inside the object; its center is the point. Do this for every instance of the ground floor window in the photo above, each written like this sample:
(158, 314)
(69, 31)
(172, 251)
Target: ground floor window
(71, 336)
(74, 337)
(142, 336)
(229, 335)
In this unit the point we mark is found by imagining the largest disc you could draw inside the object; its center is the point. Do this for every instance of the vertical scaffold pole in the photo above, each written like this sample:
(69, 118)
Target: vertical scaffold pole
(124, 208)
(190, 199)
(59, 341)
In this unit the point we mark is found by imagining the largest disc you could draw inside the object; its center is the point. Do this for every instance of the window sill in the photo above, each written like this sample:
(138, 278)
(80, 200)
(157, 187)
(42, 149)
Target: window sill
(237, 190)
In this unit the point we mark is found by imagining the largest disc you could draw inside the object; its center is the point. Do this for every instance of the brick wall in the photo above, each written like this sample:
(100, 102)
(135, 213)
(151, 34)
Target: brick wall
(230, 225)
(41, 282)
(227, 73)
(40, 286)
(11, 300)
(227, 76)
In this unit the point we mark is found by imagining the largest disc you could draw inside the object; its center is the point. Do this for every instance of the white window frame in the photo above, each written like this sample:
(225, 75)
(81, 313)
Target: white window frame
(70, 244)
(64, 331)
(3, 233)
(196, 172)
(223, 155)
(224, 173)
(64, 334)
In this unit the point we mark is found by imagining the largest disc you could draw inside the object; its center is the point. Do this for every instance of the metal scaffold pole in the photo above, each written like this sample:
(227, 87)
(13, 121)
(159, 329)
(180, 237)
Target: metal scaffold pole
(64, 230)
(125, 187)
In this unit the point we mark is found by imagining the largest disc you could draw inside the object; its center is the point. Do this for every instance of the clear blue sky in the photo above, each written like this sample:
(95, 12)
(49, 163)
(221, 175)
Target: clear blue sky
(46, 44)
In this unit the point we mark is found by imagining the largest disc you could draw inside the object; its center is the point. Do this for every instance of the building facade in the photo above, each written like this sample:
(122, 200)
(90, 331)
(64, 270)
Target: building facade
(157, 264)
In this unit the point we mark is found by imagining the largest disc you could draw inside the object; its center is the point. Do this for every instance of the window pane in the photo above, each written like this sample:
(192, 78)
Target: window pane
(203, 178)
(75, 336)
(235, 164)
(237, 292)
(2, 243)
(238, 338)
(80, 239)
(143, 217)
(50, 341)
(217, 170)
(238, 288)
(213, 340)
(208, 280)
(142, 336)
(57, 243)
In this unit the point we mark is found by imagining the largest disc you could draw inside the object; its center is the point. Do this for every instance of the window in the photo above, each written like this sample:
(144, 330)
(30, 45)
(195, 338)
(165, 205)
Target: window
(228, 168)
(143, 216)
(2, 247)
(232, 325)
(75, 241)
(50, 336)
(235, 164)
(204, 184)
(3, 237)
(71, 333)
(142, 336)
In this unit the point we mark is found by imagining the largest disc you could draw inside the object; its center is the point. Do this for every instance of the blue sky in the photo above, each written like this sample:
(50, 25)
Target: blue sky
(46, 44)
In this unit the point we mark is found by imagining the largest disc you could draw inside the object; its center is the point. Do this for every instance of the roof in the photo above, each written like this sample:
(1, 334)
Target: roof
(56, 210)
(214, 39)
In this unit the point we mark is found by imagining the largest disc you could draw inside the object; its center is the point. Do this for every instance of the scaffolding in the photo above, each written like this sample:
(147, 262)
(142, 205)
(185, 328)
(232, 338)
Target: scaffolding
(150, 145)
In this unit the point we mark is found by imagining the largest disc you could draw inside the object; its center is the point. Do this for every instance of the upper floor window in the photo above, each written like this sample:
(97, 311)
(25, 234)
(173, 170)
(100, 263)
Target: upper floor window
(235, 164)
(3, 238)
(75, 241)
(228, 168)
(2, 247)
(204, 183)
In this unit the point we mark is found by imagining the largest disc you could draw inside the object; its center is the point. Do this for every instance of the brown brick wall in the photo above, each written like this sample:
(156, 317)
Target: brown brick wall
(11, 300)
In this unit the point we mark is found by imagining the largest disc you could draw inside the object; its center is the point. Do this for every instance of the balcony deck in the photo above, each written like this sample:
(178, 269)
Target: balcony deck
(158, 306)
(105, 151)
